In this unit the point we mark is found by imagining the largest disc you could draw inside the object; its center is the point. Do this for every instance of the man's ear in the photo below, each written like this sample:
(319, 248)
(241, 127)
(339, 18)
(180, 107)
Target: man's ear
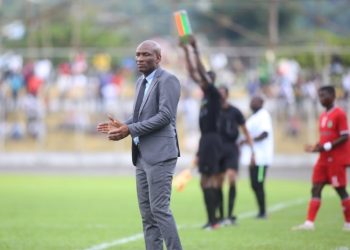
(159, 58)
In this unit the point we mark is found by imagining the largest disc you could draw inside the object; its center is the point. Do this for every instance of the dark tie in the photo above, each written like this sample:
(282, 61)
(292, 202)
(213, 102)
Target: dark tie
(139, 100)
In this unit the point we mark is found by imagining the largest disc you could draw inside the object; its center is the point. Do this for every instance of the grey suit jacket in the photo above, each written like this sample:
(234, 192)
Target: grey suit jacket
(156, 126)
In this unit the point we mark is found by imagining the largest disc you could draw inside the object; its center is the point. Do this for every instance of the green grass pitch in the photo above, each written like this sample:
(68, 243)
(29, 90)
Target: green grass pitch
(79, 212)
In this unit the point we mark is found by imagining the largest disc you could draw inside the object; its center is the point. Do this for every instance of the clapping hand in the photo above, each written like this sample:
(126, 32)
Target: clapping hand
(106, 127)
(119, 133)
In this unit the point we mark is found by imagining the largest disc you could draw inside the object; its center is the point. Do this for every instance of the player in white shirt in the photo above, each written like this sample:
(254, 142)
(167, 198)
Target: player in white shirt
(260, 129)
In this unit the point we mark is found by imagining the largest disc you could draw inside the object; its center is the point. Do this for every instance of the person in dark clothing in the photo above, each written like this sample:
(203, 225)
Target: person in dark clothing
(231, 121)
(210, 145)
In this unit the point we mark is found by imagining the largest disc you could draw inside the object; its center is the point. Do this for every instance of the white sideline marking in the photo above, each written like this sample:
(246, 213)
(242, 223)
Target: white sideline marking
(121, 241)
(245, 215)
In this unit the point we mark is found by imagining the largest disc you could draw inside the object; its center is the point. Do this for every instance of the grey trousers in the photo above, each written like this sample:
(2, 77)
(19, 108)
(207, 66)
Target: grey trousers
(153, 193)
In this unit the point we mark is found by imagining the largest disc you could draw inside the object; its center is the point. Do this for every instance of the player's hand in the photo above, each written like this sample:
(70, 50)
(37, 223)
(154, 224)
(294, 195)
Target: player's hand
(312, 148)
(242, 142)
(309, 148)
(182, 44)
(119, 133)
(195, 162)
(192, 41)
(252, 161)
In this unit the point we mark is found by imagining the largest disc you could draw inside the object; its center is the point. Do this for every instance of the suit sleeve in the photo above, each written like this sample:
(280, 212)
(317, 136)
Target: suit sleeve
(169, 95)
(128, 121)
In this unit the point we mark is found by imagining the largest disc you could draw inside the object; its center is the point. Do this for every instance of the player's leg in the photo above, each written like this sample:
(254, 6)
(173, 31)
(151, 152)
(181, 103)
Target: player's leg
(253, 174)
(220, 195)
(315, 201)
(345, 202)
(204, 182)
(259, 180)
(210, 199)
(343, 194)
(339, 177)
(217, 180)
(205, 169)
(231, 174)
(320, 177)
(209, 159)
(224, 163)
(221, 180)
(314, 205)
(215, 153)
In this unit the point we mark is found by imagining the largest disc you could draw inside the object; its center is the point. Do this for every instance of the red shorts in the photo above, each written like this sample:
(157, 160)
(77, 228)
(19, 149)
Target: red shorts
(329, 172)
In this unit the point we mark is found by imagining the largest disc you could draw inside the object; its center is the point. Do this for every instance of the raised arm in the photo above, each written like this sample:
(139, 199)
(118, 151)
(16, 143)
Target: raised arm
(189, 65)
(204, 78)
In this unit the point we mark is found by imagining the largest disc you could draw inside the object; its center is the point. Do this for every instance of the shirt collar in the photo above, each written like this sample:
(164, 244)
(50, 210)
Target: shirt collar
(150, 77)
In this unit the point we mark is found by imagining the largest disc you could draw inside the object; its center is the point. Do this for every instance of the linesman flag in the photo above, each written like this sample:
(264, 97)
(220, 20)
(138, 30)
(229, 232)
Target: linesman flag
(182, 24)
(181, 179)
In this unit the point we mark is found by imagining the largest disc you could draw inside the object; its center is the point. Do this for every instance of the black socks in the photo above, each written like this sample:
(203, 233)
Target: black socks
(231, 199)
(211, 201)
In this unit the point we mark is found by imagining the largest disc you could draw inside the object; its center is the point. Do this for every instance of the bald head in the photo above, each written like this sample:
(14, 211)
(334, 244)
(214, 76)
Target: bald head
(256, 103)
(148, 56)
(153, 45)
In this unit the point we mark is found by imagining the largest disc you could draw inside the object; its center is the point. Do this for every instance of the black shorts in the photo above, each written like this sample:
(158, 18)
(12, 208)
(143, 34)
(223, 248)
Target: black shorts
(230, 157)
(209, 153)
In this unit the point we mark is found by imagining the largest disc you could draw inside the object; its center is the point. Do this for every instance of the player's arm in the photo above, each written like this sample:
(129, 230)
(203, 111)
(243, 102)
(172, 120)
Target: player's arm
(248, 138)
(340, 140)
(343, 129)
(258, 138)
(327, 146)
(189, 65)
(204, 78)
(343, 136)
(261, 137)
(249, 141)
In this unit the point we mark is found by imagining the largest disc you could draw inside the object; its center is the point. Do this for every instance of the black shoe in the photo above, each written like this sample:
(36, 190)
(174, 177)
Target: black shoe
(206, 226)
(261, 216)
(211, 226)
(234, 218)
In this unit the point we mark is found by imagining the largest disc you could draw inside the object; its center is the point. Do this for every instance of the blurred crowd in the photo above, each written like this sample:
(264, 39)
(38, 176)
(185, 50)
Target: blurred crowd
(80, 90)
(30, 90)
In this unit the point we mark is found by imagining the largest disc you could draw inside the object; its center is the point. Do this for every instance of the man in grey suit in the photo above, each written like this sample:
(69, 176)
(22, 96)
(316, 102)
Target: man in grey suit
(154, 145)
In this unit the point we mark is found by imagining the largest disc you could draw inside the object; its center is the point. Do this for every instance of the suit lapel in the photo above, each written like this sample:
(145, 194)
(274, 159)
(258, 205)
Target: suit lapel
(151, 88)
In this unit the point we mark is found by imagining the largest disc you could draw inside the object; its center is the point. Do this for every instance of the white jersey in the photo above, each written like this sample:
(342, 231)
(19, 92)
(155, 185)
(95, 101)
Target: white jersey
(258, 123)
